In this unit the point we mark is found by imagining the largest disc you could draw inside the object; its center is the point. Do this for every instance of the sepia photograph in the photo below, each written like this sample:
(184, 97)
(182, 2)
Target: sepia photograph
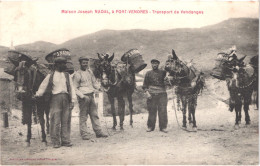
(141, 82)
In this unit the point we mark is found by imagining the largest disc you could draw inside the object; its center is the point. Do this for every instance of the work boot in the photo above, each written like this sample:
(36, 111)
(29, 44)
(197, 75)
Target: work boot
(101, 135)
(164, 130)
(85, 137)
(56, 146)
(149, 130)
(66, 144)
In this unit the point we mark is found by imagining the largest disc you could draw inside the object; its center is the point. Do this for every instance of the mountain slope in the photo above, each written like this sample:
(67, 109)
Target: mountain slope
(199, 44)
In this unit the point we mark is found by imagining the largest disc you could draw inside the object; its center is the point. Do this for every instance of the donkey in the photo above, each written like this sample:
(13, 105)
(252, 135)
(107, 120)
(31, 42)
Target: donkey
(187, 90)
(28, 80)
(240, 85)
(117, 81)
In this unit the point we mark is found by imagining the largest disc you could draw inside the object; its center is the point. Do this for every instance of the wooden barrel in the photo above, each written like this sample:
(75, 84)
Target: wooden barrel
(135, 59)
(63, 52)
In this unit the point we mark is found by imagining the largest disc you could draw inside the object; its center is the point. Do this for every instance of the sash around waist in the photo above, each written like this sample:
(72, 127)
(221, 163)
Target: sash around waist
(156, 89)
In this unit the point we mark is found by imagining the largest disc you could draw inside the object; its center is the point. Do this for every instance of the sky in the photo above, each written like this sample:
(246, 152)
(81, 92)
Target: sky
(26, 22)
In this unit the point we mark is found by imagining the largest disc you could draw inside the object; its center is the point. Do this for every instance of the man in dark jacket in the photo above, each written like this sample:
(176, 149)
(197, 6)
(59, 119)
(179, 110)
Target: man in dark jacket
(156, 97)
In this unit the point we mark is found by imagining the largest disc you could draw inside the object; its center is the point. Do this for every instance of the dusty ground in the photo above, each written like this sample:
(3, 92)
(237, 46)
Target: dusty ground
(215, 142)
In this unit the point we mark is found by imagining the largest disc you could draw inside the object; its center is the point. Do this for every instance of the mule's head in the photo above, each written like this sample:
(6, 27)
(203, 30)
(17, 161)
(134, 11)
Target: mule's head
(177, 71)
(235, 66)
(173, 65)
(238, 75)
(200, 82)
(105, 68)
(20, 77)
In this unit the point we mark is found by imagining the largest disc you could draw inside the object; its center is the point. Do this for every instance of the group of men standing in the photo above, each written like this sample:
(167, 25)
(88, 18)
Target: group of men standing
(65, 91)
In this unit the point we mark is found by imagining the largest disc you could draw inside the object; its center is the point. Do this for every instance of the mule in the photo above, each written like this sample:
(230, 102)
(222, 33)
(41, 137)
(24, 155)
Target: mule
(240, 86)
(188, 87)
(28, 80)
(117, 81)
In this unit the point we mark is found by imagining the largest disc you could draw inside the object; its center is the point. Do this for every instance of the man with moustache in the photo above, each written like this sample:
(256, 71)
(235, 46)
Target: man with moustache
(156, 97)
(59, 86)
(85, 86)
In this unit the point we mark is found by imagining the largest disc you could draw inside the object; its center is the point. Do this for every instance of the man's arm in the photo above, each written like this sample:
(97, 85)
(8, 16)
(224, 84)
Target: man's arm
(146, 85)
(146, 82)
(73, 93)
(43, 86)
(76, 83)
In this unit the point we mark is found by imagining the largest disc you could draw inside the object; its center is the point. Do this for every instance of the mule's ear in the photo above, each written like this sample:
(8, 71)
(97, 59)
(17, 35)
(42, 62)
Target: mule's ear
(241, 59)
(99, 57)
(174, 56)
(111, 58)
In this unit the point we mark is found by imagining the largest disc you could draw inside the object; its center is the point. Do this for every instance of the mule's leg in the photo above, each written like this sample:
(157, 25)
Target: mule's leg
(129, 97)
(247, 117)
(121, 110)
(112, 104)
(42, 123)
(27, 119)
(29, 134)
(192, 107)
(240, 115)
(184, 105)
(40, 113)
(47, 113)
(238, 107)
(189, 118)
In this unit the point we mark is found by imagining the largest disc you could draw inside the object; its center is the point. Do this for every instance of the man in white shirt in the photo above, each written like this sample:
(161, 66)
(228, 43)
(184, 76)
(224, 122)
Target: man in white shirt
(85, 86)
(60, 87)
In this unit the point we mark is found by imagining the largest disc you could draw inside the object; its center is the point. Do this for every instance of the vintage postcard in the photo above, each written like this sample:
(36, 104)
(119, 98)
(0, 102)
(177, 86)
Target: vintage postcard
(129, 82)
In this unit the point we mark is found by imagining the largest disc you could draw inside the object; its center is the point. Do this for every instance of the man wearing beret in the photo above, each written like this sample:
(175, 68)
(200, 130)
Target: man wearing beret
(156, 97)
(59, 86)
(85, 86)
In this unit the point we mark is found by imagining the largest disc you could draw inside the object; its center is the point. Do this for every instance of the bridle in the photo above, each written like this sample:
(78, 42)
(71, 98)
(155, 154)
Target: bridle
(108, 77)
(175, 72)
(244, 86)
(20, 69)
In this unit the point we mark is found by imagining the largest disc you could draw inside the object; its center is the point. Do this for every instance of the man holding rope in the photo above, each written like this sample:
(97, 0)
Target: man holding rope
(156, 97)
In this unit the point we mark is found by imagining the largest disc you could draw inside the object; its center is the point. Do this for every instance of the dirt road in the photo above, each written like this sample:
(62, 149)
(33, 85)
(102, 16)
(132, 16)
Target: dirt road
(215, 142)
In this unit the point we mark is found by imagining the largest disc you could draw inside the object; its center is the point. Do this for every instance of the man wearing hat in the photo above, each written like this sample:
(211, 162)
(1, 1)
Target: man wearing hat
(85, 86)
(59, 86)
(156, 97)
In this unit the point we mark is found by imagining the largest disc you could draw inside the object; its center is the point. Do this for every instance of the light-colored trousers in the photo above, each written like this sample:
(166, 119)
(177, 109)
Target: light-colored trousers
(87, 107)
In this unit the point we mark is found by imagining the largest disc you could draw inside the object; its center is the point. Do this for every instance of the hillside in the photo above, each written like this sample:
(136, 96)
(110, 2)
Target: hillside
(199, 44)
